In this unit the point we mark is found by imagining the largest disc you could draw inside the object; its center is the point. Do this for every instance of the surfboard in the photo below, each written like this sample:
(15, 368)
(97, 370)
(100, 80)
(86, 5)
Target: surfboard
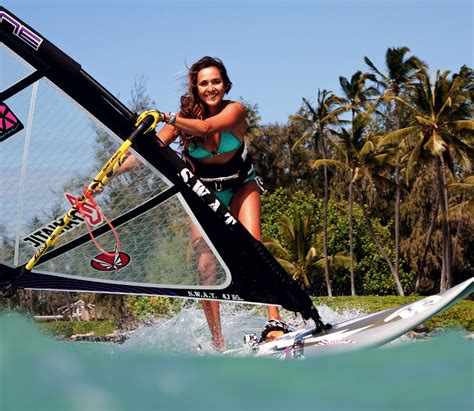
(368, 331)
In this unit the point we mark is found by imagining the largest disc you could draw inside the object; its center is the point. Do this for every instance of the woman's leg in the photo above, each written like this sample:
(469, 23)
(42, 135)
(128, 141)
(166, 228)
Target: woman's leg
(207, 271)
(246, 206)
(213, 317)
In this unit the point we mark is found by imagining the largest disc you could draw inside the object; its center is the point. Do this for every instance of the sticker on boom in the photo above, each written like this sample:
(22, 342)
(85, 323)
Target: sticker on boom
(9, 123)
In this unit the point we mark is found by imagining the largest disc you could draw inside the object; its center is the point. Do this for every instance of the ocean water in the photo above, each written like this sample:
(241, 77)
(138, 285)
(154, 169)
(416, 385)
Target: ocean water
(170, 365)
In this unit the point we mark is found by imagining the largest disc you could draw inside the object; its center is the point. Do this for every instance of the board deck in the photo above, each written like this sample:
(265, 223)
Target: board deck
(368, 331)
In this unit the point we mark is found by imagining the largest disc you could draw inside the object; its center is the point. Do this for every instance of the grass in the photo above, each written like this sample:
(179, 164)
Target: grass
(67, 328)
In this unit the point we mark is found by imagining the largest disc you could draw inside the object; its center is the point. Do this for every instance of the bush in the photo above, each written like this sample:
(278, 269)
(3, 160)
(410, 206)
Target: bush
(58, 328)
(67, 328)
(372, 274)
(145, 308)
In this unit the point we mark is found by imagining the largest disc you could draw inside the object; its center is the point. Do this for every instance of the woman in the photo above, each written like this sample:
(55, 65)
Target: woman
(212, 132)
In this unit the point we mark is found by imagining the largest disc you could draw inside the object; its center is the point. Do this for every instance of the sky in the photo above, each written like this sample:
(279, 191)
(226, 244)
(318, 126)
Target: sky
(276, 52)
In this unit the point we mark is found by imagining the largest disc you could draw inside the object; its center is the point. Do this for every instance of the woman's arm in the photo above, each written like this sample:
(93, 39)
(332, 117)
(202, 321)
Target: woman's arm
(166, 135)
(228, 119)
(129, 164)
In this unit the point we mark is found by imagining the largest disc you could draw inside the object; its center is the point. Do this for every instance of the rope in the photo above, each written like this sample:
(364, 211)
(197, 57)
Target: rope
(90, 200)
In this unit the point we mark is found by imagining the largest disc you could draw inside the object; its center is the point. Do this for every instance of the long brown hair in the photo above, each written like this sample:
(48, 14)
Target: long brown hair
(191, 104)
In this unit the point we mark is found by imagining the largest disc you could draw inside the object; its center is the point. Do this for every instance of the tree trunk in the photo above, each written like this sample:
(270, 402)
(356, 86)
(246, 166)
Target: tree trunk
(397, 222)
(31, 301)
(398, 200)
(427, 245)
(447, 264)
(351, 240)
(327, 274)
(379, 246)
(68, 302)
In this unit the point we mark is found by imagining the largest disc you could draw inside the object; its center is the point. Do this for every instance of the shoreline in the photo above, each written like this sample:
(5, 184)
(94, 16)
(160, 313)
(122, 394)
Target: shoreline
(91, 337)
(419, 333)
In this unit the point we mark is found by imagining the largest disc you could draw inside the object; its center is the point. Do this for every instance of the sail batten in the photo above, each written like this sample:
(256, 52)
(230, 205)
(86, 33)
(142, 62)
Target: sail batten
(21, 85)
(24, 168)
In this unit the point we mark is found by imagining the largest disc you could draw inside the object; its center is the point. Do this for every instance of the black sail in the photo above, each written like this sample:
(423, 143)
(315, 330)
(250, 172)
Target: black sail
(67, 121)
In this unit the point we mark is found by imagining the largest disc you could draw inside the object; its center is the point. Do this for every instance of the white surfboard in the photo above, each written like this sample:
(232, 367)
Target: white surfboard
(371, 330)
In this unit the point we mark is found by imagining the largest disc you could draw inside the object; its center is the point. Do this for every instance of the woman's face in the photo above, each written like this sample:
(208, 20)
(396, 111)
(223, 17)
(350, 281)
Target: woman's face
(210, 86)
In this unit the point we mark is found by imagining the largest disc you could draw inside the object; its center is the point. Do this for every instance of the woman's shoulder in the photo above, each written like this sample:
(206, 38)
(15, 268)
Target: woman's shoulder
(232, 102)
(234, 105)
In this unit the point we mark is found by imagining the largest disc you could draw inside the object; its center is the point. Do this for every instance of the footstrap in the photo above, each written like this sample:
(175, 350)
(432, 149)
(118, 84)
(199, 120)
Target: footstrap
(274, 325)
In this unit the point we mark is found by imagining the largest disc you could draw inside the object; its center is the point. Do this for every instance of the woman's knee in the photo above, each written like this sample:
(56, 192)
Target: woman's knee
(207, 269)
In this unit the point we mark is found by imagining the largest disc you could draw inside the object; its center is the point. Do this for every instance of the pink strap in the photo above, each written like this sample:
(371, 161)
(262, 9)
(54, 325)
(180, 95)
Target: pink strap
(79, 205)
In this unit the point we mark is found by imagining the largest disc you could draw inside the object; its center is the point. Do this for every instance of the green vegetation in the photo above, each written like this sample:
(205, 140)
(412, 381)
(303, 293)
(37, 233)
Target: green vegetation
(66, 329)
(371, 273)
(145, 308)
(393, 155)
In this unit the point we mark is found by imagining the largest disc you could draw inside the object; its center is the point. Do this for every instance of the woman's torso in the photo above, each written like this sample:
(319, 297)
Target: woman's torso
(218, 148)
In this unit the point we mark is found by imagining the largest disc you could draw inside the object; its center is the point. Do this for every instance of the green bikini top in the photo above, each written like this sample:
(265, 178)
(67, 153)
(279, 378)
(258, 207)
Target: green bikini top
(229, 142)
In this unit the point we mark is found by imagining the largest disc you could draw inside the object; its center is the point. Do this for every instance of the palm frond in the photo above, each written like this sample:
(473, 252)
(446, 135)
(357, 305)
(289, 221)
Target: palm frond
(461, 124)
(330, 163)
(425, 121)
(305, 136)
(310, 256)
(396, 136)
(435, 144)
(289, 267)
(366, 149)
(413, 159)
(446, 104)
(408, 105)
(310, 108)
(301, 119)
(338, 260)
(274, 245)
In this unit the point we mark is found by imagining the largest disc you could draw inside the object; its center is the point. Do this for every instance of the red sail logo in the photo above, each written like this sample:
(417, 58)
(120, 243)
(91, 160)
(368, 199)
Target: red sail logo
(103, 262)
(88, 211)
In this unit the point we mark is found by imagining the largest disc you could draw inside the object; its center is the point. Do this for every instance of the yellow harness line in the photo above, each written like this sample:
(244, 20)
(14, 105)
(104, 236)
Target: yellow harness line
(145, 123)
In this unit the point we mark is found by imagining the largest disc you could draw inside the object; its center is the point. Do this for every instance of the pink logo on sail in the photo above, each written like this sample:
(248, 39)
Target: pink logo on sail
(9, 123)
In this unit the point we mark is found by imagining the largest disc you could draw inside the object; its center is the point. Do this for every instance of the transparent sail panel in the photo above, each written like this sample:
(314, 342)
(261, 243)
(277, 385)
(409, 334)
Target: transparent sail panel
(46, 165)
(12, 68)
(156, 248)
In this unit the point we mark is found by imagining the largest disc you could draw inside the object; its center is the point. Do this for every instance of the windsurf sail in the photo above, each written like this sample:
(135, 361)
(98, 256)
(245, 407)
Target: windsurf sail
(58, 126)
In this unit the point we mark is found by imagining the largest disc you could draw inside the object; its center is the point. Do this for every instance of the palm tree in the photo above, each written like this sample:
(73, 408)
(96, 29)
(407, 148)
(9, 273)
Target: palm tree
(441, 130)
(356, 92)
(299, 252)
(397, 80)
(319, 120)
(364, 163)
(400, 71)
(356, 96)
(299, 255)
